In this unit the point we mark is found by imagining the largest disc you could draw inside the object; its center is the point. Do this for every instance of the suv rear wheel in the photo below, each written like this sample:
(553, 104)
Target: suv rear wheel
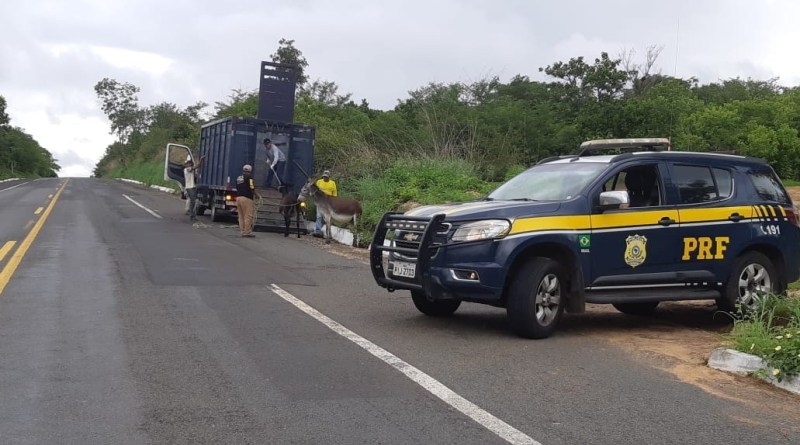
(752, 276)
(536, 298)
(435, 308)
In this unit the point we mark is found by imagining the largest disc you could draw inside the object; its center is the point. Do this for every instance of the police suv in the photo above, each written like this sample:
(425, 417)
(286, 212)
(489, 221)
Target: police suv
(642, 225)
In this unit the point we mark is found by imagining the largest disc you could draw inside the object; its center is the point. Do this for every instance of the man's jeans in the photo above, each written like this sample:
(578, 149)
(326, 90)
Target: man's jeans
(320, 222)
(191, 198)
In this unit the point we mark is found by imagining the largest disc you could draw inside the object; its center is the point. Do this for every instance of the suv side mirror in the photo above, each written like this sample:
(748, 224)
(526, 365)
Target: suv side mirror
(614, 200)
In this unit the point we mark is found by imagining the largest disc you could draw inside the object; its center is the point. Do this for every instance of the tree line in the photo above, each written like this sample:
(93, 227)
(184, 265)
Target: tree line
(496, 126)
(20, 154)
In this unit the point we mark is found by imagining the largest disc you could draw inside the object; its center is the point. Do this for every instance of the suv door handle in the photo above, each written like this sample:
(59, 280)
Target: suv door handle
(735, 217)
(666, 221)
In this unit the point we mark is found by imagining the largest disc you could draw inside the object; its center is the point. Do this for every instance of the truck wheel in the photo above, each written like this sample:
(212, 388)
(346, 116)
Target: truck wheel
(536, 298)
(636, 308)
(752, 277)
(436, 308)
(215, 213)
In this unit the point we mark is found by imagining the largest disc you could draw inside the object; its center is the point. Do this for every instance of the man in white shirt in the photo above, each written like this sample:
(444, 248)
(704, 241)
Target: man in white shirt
(190, 174)
(277, 162)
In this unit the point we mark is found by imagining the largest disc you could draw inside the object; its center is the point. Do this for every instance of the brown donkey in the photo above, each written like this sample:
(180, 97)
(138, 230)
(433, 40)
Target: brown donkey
(333, 208)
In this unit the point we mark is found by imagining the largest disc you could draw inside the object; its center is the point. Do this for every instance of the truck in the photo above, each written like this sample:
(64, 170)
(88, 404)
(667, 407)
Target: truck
(230, 143)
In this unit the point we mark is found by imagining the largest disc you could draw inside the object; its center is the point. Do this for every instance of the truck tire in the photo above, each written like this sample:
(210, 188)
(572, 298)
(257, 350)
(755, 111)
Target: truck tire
(536, 298)
(752, 276)
(636, 308)
(199, 209)
(435, 308)
(215, 213)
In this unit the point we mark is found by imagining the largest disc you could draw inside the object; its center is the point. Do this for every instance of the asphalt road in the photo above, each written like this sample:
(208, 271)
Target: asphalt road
(118, 326)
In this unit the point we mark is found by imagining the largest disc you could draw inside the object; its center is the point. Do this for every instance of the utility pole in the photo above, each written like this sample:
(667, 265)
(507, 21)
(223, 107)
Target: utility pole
(13, 163)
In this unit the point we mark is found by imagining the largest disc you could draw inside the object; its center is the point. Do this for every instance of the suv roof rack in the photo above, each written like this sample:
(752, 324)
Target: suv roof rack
(629, 145)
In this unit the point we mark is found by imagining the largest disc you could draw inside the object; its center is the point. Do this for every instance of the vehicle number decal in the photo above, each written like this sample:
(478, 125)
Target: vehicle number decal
(770, 229)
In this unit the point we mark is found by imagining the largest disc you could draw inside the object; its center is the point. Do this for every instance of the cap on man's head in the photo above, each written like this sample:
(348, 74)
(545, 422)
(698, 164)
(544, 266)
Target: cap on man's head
(326, 174)
(247, 168)
(267, 140)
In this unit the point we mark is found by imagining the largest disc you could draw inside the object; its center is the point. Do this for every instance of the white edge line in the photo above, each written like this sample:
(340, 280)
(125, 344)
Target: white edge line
(447, 395)
(143, 207)
(13, 187)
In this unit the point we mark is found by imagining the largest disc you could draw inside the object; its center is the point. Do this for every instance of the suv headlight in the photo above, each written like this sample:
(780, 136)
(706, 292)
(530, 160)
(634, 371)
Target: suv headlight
(491, 228)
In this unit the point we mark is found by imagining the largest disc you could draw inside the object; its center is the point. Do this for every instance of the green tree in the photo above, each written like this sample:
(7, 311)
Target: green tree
(4, 119)
(121, 106)
(289, 55)
(240, 103)
(579, 83)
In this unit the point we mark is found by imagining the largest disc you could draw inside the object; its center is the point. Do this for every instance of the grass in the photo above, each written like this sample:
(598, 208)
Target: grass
(791, 183)
(409, 182)
(771, 331)
(151, 173)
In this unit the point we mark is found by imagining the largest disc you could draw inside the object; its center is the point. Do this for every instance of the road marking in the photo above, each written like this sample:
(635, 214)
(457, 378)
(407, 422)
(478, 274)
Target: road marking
(143, 207)
(447, 395)
(38, 211)
(16, 258)
(3, 190)
(28, 224)
(6, 248)
(49, 196)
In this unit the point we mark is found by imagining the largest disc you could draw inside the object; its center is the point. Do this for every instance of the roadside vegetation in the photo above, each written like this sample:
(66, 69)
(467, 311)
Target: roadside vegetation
(20, 155)
(771, 331)
(456, 141)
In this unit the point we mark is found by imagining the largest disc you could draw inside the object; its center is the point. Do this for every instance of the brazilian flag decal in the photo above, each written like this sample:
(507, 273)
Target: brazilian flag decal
(584, 241)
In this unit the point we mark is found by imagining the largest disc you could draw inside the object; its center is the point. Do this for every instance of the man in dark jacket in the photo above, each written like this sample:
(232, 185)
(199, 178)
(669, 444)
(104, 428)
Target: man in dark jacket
(245, 189)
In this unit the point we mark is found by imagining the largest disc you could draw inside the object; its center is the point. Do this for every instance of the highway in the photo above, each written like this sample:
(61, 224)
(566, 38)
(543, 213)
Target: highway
(121, 322)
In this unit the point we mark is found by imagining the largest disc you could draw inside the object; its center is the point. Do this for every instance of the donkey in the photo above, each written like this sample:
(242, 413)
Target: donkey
(333, 208)
(290, 206)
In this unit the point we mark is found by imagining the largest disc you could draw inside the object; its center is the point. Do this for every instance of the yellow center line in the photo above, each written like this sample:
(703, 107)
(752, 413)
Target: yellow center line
(6, 248)
(38, 211)
(16, 258)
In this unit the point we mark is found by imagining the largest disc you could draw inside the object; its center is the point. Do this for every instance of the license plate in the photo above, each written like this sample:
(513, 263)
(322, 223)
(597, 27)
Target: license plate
(405, 270)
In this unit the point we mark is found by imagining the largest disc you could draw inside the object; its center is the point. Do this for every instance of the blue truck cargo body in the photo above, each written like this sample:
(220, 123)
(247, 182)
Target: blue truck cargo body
(228, 144)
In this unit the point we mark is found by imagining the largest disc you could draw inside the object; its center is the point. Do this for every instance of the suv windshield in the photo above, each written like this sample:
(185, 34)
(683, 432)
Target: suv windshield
(549, 182)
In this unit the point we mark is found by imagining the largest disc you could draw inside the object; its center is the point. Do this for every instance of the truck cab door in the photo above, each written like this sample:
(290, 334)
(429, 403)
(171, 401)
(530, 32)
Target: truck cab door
(176, 156)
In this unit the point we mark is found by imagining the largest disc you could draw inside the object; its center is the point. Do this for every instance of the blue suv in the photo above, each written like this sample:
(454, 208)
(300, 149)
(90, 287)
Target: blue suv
(628, 222)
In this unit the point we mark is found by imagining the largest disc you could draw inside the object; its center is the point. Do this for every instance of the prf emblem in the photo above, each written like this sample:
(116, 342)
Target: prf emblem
(636, 250)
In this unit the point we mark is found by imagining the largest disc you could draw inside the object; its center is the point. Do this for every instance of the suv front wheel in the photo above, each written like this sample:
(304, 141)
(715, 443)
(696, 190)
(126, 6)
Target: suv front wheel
(753, 275)
(536, 298)
(434, 308)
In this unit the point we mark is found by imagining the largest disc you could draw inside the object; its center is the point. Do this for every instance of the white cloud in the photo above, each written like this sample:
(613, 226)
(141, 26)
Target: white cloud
(133, 60)
(183, 51)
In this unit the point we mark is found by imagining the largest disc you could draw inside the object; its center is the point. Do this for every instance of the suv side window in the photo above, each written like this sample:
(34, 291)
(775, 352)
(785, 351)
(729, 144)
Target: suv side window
(768, 186)
(642, 182)
(697, 184)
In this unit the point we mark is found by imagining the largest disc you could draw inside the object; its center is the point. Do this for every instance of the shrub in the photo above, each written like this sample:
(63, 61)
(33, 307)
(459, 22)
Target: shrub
(771, 331)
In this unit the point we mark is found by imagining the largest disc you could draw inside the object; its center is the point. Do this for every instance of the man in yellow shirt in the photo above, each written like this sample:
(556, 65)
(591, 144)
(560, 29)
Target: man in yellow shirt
(328, 186)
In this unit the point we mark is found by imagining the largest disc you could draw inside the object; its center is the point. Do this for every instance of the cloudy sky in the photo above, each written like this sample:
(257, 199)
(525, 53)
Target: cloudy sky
(53, 52)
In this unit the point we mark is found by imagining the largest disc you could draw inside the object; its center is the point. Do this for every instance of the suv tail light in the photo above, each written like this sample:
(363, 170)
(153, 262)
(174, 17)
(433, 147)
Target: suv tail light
(792, 216)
